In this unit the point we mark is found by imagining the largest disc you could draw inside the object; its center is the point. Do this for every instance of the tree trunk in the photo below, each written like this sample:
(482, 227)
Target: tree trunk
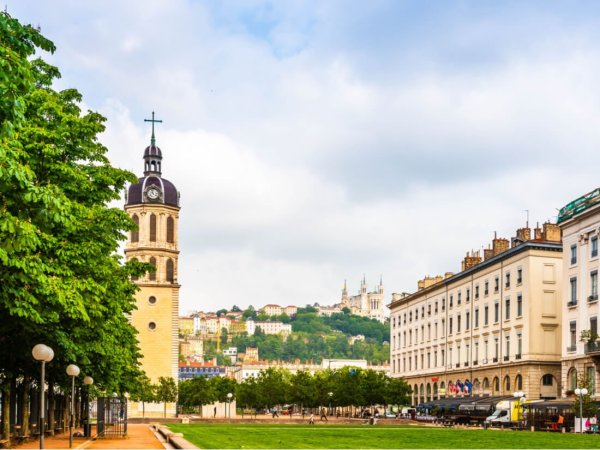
(6, 411)
(25, 405)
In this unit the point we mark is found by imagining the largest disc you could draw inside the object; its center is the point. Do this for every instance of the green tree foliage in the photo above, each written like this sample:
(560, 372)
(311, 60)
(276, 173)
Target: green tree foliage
(143, 391)
(166, 391)
(196, 392)
(355, 325)
(249, 313)
(62, 281)
(348, 387)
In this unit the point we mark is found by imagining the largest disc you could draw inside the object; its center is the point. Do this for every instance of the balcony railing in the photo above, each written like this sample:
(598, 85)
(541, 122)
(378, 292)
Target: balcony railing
(518, 356)
(592, 348)
(495, 360)
(593, 298)
(506, 358)
(457, 365)
(571, 348)
(475, 362)
(572, 304)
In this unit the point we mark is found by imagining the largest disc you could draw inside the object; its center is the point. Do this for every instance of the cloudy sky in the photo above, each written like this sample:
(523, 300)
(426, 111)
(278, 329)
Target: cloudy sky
(317, 141)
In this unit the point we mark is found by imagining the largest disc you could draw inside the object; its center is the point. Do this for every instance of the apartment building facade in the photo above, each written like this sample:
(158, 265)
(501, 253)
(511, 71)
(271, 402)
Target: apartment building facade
(492, 329)
(580, 223)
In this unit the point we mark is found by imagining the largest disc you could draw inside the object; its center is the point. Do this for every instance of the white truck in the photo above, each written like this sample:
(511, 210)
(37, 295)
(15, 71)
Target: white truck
(508, 412)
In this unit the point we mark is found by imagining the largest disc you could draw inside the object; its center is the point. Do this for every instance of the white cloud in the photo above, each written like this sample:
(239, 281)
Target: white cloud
(309, 151)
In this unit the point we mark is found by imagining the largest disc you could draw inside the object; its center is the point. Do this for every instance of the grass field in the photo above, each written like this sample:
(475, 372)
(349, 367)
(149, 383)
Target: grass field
(364, 436)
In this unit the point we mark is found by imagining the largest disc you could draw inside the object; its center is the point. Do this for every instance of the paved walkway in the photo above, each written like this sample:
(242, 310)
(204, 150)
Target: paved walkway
(139, 436)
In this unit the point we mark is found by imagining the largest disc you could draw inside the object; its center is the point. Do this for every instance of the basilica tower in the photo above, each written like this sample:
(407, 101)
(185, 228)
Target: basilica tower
(153, 204)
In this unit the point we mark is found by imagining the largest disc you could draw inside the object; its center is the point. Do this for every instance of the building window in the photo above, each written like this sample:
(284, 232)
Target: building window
(593, 285)
(507, 348)
(152, 275)
(450, 325)
(152, 326)
(476, 291)
(519, 275)
(485, 351)
(486, 288)
(152, 228)
(476, 318)
(476, 352)
(152, 300)
(451, 301)
(507, 280)
(519, 345)
(459, 298)
(496, 349)
(170, 230)
(436, 307)
(590, 374)
(506, 383)
(410, 317)
(594, 326)
(458, 318)
(444, 304)
(468, 295)
(507, 309)
(422, 312)
(496, 284)
(467, 320)
(547, 380)
(135, 233)
(486, 315)
(573, 301)
(572, 335)
(496, 311)
(404, 319)
(519, 305)
(573, 254)
(594, 246)
(170, 271)
(443, 354)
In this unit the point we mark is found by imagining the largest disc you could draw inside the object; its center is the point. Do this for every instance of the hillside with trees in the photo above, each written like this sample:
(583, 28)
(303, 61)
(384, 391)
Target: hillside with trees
(315, 338)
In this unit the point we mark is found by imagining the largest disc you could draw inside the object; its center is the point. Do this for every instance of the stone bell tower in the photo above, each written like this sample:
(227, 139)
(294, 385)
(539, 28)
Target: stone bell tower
(153, 204)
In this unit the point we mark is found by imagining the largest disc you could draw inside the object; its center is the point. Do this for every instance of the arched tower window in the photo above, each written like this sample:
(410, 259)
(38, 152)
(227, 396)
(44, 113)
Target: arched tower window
(170, 230)
(152, 228)
(135, 234)
(152, 275)
(170, 271)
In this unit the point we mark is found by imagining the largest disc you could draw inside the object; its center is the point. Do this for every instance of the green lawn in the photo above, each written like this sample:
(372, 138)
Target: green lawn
(365, 436)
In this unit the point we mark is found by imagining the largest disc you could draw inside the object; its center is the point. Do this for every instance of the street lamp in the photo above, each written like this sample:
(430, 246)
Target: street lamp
(43, 354)
(520, 397)
(229, 395)
(330, 395)
(72, 371)
(88, 381)
(581, 393)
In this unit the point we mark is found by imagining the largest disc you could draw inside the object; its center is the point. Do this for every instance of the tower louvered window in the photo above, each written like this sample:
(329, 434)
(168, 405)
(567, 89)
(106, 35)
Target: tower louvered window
(135, 234)
(152, 228)
(170, 271)
(170, 230)
(152, 275)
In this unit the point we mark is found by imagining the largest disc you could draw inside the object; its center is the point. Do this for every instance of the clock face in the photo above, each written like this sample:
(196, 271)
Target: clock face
(152, 194)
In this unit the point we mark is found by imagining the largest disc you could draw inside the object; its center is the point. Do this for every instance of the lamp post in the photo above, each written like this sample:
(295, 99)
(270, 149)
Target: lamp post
(88, 381)
(520, 397)
(43, 354)
(330, 395)
(72, 371)
(581, 393)
(229, 395)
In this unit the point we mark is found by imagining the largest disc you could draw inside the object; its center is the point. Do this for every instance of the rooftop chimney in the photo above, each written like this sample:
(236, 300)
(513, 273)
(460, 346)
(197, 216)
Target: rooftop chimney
(551, 232)
(471, 260)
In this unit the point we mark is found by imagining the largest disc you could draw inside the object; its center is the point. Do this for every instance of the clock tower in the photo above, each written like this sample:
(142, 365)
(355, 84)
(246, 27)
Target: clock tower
(153, 204)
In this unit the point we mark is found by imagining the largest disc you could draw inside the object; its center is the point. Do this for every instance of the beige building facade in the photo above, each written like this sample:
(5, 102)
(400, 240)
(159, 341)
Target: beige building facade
(494, 328)
(580, 223)
(153, 204)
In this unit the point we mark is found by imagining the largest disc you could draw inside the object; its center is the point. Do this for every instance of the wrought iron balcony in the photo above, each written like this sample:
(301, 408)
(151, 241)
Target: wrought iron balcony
(592, 348)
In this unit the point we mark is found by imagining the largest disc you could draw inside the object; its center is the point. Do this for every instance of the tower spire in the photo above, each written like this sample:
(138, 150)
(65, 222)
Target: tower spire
(153, 120)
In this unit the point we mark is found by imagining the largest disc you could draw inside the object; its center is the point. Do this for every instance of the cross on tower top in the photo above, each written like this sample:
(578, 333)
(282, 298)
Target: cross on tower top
(153, 120)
